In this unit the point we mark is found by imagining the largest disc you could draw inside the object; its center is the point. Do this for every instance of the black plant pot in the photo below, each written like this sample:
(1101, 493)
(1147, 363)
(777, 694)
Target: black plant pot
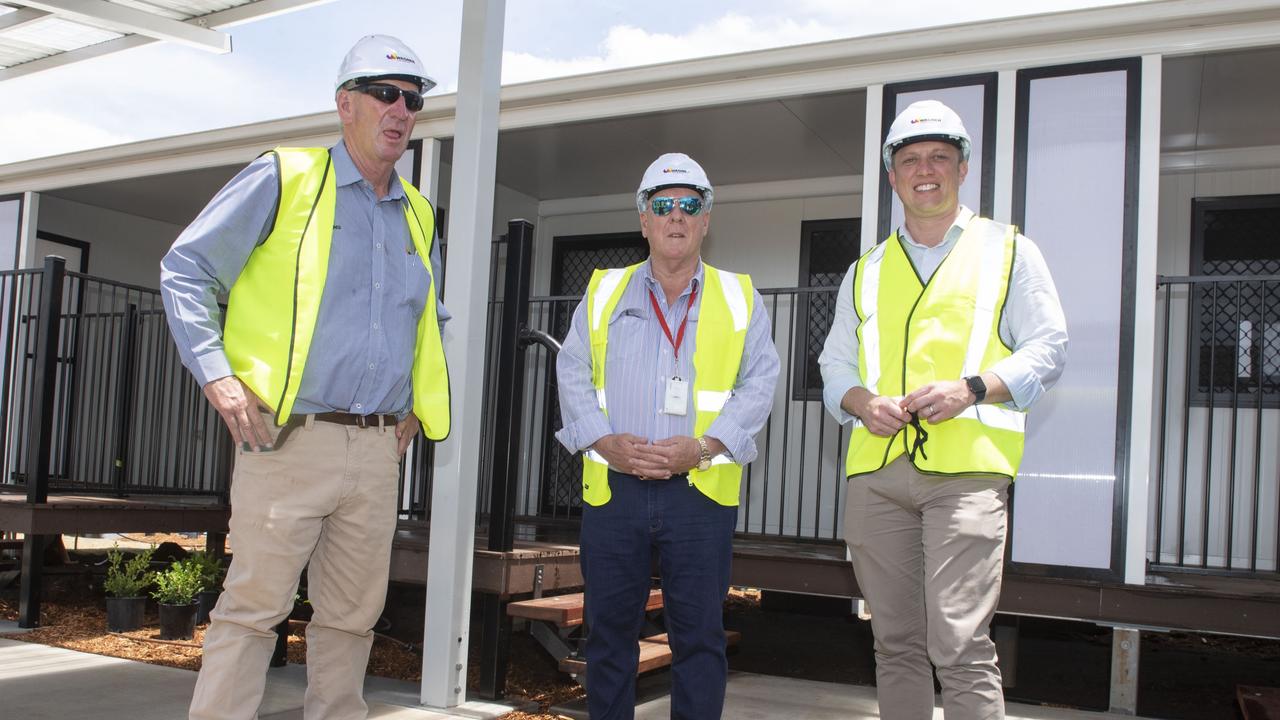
(177, 622)
(125, 614)
(205, 600)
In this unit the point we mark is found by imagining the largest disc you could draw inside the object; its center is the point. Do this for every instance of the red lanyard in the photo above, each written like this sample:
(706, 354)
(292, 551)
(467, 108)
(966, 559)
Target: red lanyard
(679, 338)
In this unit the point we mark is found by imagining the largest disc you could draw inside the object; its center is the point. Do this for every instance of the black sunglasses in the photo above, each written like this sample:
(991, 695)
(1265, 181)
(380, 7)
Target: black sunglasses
(390, 93)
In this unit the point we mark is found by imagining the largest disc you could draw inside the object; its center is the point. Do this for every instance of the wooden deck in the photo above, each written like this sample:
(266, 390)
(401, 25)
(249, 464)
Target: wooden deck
(82, 514)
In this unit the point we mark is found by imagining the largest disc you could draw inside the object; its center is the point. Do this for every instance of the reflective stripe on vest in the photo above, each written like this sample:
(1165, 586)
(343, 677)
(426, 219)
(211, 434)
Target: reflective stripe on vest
(273, 306)
(945, 329)
(723, 316)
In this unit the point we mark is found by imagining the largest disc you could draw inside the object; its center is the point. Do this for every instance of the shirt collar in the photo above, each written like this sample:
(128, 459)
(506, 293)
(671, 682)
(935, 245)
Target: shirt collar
(346, 172)
(645, 274)
(957, 228)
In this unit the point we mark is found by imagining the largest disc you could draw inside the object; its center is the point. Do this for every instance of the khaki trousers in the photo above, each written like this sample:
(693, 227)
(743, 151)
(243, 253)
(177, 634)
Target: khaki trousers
(928, 553)
(325, 500)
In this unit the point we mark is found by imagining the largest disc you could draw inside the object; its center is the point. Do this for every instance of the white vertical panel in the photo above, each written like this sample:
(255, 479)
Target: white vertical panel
(967, 101)
(1075, 203)
(871, 168)
(1006, 112)
(1144, 340)
(10, 212)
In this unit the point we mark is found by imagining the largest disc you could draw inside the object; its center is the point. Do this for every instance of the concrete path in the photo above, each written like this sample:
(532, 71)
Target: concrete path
(767, 697)
(38, 682)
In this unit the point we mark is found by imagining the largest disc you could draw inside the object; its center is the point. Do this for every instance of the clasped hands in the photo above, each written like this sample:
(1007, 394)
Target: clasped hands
(934, 403)
(658, 460)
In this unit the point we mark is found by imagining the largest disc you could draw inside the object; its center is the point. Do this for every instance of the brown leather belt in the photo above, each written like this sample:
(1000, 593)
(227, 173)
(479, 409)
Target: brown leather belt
(360, 421)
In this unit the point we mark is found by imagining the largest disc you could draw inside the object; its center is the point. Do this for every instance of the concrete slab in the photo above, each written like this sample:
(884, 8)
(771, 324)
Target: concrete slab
(763, 697)
(39, 682)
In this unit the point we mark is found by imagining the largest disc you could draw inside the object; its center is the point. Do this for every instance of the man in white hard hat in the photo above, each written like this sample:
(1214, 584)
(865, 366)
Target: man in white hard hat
(944, 335)
(665, 378)
(327, 364)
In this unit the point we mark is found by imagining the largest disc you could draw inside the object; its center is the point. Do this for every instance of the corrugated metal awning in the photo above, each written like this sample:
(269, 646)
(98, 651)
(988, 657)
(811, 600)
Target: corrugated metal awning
(38, 35)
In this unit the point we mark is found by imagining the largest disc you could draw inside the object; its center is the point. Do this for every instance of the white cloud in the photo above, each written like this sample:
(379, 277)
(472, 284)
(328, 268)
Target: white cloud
(36, 133)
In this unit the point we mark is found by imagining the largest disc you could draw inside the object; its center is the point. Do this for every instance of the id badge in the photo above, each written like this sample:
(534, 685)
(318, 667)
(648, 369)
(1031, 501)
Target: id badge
(676, 401)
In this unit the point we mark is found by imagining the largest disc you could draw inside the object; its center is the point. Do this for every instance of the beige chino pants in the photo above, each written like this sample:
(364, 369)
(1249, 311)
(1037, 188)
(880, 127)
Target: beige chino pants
(325, 500)
(928, 553)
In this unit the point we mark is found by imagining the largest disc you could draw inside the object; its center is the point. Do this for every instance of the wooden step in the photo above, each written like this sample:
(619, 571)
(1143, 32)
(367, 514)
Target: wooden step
(1256, 703)
(655, 653)
(565, 610)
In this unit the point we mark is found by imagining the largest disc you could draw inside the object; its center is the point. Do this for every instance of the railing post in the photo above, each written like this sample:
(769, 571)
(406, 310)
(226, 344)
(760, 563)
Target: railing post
(124, 399)
(44, 379)
(496, 630)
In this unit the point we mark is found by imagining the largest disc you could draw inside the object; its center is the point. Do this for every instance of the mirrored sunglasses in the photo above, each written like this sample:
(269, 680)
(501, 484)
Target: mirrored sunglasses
(390, 93)
(664, 205)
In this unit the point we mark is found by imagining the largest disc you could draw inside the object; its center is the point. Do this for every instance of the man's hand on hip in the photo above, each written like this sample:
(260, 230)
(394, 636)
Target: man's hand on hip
(238, 407)
(406, 431)
(631, 454)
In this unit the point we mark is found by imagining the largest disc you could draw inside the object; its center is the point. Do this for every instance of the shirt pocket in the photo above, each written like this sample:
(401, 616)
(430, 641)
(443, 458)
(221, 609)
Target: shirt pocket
(626, 335)
(417, 282)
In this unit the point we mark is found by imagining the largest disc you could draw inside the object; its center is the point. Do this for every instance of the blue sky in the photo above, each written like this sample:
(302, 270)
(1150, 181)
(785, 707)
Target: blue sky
(284, 66)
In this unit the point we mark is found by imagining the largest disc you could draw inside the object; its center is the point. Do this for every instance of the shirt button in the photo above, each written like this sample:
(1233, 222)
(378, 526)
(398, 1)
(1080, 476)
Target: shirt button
(375, 326)
(378, 246)
(370, 366)
(377, 286)
(358, 406)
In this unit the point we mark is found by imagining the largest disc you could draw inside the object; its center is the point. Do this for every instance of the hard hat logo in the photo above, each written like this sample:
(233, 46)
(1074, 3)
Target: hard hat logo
(925, 120)
(401, 58)
(659, 173)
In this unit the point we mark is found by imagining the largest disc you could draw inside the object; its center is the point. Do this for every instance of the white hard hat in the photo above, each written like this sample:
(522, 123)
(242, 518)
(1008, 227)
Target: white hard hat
(925, 120)
(674, 170)
(382, 56)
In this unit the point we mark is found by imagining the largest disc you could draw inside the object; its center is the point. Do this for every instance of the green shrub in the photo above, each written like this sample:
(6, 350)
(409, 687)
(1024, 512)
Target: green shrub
(211, 570)
(179, 583)
(127, 578)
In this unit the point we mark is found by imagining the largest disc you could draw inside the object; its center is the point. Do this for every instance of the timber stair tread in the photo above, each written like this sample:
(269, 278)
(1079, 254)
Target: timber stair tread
(1256, 703)
(566, 610)
(655, 653)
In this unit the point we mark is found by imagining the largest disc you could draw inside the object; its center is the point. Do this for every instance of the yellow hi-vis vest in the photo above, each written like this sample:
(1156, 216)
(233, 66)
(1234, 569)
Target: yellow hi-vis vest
(726, 304)
(272, 308)
(912, 333)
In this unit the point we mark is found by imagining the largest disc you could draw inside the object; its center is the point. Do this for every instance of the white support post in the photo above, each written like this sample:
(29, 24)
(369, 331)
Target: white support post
(871, 169)
(27, 232)
(429, 171)
(453, 492)
(1124, 671)
(1006, 111)
(1141, 413)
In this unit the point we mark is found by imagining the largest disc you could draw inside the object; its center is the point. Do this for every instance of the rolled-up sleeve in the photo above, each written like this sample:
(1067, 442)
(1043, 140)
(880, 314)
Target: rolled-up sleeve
(584, 421)
(747, 408)
(839, 359)
(205, 261)
(1034, 326)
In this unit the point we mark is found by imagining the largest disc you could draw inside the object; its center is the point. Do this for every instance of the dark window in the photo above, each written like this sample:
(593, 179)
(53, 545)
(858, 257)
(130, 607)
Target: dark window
(1236, 327)
(827, 249)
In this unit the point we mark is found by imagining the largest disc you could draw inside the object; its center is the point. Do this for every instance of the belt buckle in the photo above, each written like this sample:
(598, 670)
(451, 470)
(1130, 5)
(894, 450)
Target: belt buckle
(362, 422)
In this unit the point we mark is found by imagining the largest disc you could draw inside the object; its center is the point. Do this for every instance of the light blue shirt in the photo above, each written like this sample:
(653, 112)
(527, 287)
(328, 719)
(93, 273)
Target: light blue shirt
(361, 354)
(640, 360)
(1032, 324)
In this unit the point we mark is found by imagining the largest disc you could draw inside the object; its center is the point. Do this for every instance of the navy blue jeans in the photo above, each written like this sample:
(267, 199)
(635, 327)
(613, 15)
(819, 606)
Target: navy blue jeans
(692, 537)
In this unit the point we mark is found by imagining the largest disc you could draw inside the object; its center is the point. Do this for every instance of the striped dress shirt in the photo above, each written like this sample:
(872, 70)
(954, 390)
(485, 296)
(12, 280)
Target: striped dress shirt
(640, 359)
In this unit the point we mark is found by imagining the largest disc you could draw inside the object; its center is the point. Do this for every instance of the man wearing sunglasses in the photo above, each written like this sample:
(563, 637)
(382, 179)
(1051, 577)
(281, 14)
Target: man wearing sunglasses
(944, 335)
(327, 364)
(665, 378)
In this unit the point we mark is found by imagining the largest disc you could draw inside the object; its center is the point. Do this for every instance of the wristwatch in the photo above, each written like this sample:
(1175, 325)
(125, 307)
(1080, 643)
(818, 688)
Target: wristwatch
(977, 387)
(704, 455)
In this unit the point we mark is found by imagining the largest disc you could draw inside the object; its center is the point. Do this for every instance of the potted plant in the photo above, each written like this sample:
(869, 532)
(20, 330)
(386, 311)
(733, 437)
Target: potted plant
(211, 574)
(175, 590)
(126, 579)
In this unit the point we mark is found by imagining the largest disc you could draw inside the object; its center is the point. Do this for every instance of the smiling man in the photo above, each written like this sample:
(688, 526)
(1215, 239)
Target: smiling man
(944, 335)
(665, 378)
(327, 364)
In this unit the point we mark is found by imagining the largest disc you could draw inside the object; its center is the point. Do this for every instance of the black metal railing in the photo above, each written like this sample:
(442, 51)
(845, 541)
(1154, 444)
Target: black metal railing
(1215, 456)
(100, 393)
